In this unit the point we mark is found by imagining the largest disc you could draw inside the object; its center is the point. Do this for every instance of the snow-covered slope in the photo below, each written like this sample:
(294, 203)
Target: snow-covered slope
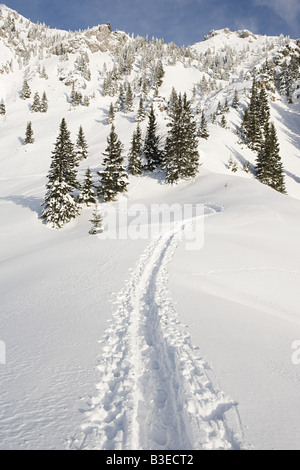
(238, 295)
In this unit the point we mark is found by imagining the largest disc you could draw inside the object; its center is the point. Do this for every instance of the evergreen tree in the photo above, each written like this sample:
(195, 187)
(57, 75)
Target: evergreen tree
(29, 134)
(203, 131)
(44, 103)
(269, 168)
(81, 146)
(158, 75)
(263, 109)
(2, 108)
(252, 128)
(76, 97)
(86, 101)
(226, 107)
(173, 102)
(181, 149)
(236, 101)
(151, 149)
(246, 167)
(26, 92)
(36, 105)
(134, 158)
(97, 222)
(128, 105)
(60, 205)
(111, 114)
(121, 98)
(223, 122)
(141, 114)
(43, 74)
(113, 178)
(87, 195)
(219, 109)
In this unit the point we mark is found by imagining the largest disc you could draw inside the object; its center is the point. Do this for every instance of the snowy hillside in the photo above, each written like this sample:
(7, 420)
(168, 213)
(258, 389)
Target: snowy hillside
(140, 343)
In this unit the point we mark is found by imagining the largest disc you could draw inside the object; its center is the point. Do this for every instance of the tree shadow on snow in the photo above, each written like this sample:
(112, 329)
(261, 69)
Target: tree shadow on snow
(287, 118)
(241, 158)
(29, 202)
(293, 176)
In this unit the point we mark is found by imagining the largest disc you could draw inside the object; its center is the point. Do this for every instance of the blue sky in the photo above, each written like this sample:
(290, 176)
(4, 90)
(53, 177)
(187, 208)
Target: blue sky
(182, 21)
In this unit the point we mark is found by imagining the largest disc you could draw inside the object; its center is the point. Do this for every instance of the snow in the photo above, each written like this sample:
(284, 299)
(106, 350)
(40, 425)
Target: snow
(141, 343)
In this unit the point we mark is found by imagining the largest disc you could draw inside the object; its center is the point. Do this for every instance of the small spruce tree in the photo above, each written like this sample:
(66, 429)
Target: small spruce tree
(25, 92)
(44, 103)
(128, 105)
(134, 158)
(111, 114)
(81, 146)
(236, 101)
(87, 194)
(97, 221)
(29, 134)
(141, 114)
(203, 130)
(36, 105)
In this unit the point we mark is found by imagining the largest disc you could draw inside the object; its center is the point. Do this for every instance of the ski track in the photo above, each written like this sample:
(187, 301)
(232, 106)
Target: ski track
(155, 392)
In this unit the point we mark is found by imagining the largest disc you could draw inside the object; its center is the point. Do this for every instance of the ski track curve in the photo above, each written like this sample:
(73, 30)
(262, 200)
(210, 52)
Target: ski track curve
(155, 392)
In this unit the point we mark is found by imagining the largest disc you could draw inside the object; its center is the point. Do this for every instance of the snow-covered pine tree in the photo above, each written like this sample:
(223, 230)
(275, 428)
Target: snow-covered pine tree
(81, 148)
(111, 114)
(223, 121)
(36, 105)
(86, 101)
(269, 168)
(87, 194)
(134, 157)
(203, 130)
(29, 134)
(236, 100)
(25, 92)
(60, 205)
(2, 108)
(158, 75)
(152, 153)
(44, 103)
(181, 149)
(173, 102)
(263, 109)
(141, 114)
(128, 105)
(43, 74)
(219, 109)
(121, 98)
(226, 107)
(96, 221)
(113, 179)
(252, 129)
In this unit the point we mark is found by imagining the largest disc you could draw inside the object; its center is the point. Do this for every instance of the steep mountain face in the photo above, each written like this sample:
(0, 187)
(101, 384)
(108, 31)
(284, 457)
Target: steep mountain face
(99, 65)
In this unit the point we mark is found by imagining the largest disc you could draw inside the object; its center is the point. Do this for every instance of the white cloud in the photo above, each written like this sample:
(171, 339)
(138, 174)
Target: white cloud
(288, 10)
